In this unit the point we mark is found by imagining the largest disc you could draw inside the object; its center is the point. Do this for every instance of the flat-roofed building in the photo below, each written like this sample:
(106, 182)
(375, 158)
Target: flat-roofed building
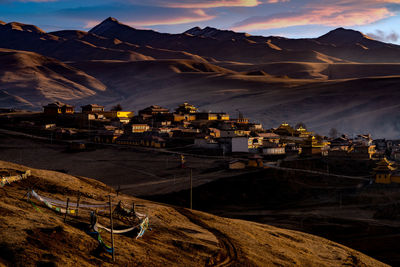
(138, 128)
(212, 116)
(92, 108)
(153, 110)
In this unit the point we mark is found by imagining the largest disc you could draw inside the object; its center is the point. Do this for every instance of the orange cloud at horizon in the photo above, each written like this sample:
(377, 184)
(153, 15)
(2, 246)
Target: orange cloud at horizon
(212, 4)
(328, 16)
(276, 1)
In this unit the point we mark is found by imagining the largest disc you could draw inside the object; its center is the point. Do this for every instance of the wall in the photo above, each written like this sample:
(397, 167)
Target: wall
(240, 144)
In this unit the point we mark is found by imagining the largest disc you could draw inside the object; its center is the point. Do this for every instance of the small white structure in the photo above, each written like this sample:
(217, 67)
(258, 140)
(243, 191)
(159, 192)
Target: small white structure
(273, 151)
(228, 133)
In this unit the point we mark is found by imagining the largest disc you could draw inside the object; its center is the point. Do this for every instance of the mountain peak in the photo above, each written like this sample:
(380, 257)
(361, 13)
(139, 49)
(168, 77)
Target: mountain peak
(105, 25)
(194, 31)
(342, 36)
(111, 19)
(342, 30)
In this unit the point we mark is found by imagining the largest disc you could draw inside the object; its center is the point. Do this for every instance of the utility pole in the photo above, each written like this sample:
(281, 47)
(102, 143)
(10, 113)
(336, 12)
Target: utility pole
(191, 188)
(89, 127)
(66, 210)
(112, 231)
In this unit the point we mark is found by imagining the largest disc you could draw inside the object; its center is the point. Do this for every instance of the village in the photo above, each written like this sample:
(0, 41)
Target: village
(186, 129)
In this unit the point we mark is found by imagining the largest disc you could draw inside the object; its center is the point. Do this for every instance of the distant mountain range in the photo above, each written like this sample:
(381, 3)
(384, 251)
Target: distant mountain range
(343, 79)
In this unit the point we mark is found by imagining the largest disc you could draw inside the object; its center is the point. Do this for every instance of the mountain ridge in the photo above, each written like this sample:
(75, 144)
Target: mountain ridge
(242, 50)
(196, 41)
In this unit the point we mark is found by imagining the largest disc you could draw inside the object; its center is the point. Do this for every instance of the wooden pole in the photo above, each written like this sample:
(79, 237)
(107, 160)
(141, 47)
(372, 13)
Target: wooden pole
(66, 210)
(112, 231)
(77, 203)
(191, 190)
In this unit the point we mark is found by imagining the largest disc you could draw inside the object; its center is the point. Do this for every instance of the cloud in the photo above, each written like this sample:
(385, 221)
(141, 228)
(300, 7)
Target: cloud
(196, 15)
(338, 13)
(276, 1)
(206, 3)
(385, 37)
(212, 4)
(38, 1)
(137, 15)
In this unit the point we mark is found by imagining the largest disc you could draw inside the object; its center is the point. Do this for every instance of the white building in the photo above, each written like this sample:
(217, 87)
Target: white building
(273, 151)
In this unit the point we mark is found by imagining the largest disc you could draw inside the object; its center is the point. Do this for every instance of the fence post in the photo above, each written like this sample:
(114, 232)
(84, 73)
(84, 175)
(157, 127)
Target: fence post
(77, 204)
(66, 210)
(191, 190)
(112, 231)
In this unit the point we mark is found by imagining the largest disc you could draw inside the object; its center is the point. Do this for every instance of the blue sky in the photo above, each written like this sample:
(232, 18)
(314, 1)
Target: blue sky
(289, 18)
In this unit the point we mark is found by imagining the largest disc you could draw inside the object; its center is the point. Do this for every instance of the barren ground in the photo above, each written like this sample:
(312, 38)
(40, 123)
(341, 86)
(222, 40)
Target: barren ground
(335, 209)
(30, 236)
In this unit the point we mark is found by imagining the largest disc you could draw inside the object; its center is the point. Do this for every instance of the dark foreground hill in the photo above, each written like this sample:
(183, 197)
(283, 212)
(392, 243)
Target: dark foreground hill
(349, 211)
(31, 234)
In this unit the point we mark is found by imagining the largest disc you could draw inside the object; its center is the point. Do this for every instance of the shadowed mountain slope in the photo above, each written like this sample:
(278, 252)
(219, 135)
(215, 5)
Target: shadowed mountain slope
(30, 38)
(113, 43)
(30, 80)
(325, 71)
(340, 43)
(242, 50)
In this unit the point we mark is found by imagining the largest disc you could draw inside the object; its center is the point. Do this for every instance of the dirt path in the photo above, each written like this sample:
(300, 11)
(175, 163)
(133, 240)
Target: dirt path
(228, 255)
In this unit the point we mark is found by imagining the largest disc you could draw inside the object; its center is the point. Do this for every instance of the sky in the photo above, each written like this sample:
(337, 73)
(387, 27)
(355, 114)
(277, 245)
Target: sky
(289, 18)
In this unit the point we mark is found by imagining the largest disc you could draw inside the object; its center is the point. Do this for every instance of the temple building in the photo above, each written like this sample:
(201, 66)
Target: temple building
(312, 146)
(186, 108)
(385, 172)
(241, 119)
(285, 130)
(58, 108)
(185, 112)
(302, 132)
